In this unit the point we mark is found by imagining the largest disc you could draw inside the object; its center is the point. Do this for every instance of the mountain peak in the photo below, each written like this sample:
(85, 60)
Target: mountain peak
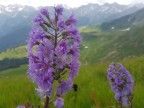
(127, 21)
(15, 20)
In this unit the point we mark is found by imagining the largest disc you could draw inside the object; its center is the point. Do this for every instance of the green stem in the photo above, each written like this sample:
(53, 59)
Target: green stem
(121, 104)
(46, 104)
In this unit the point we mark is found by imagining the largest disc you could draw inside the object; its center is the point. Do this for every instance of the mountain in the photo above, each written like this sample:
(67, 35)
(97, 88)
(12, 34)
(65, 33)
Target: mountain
(15, 38)
(14, 17)
(125, 21)
(16, 20)
(93, 14)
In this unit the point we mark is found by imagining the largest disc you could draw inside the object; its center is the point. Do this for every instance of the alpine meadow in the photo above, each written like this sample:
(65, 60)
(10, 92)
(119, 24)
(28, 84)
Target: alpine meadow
(91, 56)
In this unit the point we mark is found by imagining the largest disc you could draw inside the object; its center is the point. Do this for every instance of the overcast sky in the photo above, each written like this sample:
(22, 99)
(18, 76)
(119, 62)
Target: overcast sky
(69, 3)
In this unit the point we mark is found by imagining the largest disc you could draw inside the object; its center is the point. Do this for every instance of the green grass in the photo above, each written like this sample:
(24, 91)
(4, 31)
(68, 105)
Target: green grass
(94, 90)
(16, 88)
(18, 52)
(98, 49)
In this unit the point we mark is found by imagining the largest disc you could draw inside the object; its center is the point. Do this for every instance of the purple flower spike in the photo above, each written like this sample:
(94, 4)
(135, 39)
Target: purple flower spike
(44, 11)
(61, 23)
(71, 20)
(121, 83)
(59, 102)
(39, 19)
(74, 50)
(59, 9)
(53, 52)
(74, 66)
(64, 87)
(20, 106)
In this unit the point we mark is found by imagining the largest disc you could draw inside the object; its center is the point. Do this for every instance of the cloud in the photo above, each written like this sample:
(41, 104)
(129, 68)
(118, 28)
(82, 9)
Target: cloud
(137, 1)
(118, 1)
(70, 3)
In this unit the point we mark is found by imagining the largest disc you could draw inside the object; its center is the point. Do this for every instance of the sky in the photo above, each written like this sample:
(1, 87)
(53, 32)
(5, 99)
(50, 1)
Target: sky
(69, 3)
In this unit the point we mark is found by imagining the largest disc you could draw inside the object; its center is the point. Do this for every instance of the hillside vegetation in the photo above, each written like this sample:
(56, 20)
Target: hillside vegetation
(98, 50)
(99, 46)
(93, 87)
(14, 53)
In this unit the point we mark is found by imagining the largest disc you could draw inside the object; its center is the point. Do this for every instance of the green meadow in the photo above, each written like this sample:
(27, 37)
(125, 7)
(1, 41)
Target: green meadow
(93, 87)
(98, 50)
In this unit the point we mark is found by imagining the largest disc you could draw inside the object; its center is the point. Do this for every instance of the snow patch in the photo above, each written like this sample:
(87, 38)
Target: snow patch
(20, 9)
(8, 9)
(112, 28)
(86, 47)
(127, 29)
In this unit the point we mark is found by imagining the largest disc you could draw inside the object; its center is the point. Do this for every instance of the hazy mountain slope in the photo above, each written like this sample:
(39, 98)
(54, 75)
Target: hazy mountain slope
(16, 20)
(14, 16)
(126, 21)
(92, 14)
(15, 38)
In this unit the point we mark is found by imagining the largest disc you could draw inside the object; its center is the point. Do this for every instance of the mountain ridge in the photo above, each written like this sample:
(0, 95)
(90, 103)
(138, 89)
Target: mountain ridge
(18, 23)
(125, 21)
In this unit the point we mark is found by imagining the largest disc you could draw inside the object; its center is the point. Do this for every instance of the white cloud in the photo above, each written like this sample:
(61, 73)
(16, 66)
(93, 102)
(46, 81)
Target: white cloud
(70, 3)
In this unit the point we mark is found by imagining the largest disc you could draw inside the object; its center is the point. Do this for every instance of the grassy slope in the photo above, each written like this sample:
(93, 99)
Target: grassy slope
(92, 38)
(16, 88)
(100, 46)
(113, 45)
(18, 52)
(94, 90)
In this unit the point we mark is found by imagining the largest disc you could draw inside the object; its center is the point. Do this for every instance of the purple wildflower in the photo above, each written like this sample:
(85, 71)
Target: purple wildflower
(71, 20)
(44, 11)
(74, 66)
(61, 23)
(53, 51)
(39, 19)
(121, 83)
(59, 9)
(74, 50)
(73, 33)
(117, 96)
(64, 87)
(20, 106)
(62, 47)
(59, 102)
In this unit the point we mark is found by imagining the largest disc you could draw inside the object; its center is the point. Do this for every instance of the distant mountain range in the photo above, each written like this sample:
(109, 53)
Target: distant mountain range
(13, 17)
(125, 22)
(16, 20)
(93, 14)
